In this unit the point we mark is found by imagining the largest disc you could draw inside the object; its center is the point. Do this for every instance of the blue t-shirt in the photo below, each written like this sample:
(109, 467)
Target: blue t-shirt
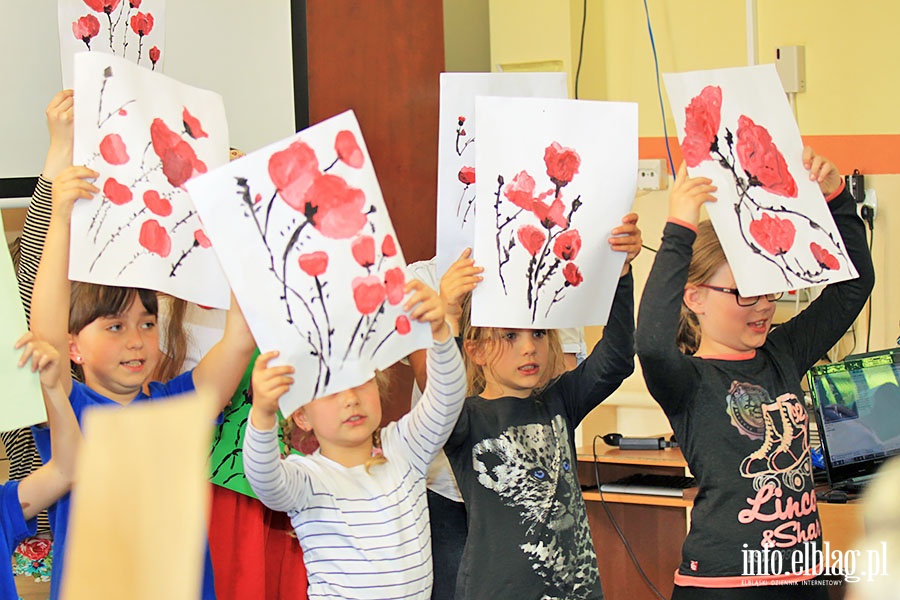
(82, 398)
(13, 529)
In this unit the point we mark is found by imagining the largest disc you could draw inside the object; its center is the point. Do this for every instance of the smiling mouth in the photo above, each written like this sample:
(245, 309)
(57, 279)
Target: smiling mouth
(758, 324)
(133, 364)
(529, 369)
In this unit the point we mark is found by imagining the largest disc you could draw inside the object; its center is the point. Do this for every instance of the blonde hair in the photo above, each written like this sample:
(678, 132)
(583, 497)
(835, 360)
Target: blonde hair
(707, 257)
(489, 340)
(176, 337)
(301, 440)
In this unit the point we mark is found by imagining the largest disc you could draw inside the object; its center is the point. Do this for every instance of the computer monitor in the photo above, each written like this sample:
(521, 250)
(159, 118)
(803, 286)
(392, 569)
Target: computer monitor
(857, 406)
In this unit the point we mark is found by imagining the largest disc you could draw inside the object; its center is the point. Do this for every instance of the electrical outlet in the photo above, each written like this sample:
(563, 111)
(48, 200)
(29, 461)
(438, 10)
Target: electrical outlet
(652, 174)
(871, 201)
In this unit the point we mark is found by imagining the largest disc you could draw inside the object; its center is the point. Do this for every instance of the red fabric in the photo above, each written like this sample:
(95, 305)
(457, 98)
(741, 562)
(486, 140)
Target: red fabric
(254, 553)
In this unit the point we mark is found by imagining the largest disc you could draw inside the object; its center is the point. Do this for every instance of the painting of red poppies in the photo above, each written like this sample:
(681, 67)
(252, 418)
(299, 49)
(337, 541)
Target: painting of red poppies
(317, 270)
(147, 135)
(556, 177)
(456, 148)
(737, 128)
(131, 29)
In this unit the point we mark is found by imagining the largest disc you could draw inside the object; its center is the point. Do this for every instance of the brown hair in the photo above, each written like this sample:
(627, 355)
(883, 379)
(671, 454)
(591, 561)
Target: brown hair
(707, 257)
(91, 301)
(489, 339)
(176, 338)
(305, 441)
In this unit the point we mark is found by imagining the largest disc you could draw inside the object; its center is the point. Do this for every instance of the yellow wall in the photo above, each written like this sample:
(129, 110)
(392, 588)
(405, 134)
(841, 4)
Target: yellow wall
(852, 90)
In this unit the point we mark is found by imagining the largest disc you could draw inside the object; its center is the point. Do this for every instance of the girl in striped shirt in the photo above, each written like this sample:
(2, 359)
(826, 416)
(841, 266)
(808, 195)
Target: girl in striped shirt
(358, 503)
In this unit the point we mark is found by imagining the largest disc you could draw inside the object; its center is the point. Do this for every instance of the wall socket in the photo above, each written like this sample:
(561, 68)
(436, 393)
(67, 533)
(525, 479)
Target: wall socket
(652, 174)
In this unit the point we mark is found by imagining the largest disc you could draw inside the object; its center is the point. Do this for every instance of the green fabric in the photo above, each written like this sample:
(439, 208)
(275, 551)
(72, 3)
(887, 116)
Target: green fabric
(226, 456)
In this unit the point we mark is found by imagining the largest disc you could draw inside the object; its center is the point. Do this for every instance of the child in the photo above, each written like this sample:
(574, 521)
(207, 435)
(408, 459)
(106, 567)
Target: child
(359, 509)
(513, 454)
(731, 390)
(21, 501)
(110, 333)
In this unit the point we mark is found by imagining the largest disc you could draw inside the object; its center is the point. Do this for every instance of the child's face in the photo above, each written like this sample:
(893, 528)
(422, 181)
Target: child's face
(344, 422)
(119, 353)
(514, 365)
(725, 327)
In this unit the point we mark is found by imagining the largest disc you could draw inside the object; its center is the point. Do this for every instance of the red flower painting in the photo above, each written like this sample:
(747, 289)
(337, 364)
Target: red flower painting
(154, 55)
(531, 238)
(775, 235)
(567, 245)
(157, 204)
(762, 160)
(702, 119)
(394, 282)
(179, 161)
(113, 150)
(335, 208)
(293, 171)
(117, 193)
(825, 259)
(368, 293)
(363, 250)
(314, 263)
(155, 238)
(348, 150)
(467, 175)
(142, 23)
(553, 215)
(520, 191)
(388, 247)
(192, 124)
(201, 239)
(402, 325)
(562, 164)
(572, 274)
(86, 28)
(104, 6)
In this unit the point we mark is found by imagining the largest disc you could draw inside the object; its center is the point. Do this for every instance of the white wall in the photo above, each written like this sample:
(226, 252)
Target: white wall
(241, 50)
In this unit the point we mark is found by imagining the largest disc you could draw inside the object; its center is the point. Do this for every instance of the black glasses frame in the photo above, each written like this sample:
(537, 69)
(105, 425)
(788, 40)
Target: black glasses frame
(743, 301)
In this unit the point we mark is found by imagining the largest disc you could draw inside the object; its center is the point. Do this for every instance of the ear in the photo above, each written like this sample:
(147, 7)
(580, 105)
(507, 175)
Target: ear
(475, 352)
(301, 420)
(74, 352)
(695, 299)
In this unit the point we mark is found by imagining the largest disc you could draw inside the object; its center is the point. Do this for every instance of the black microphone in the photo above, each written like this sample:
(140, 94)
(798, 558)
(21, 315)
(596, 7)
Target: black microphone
(626, 443)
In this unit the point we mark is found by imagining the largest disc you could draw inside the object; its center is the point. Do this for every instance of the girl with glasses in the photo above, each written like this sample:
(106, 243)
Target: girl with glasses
(731, 390)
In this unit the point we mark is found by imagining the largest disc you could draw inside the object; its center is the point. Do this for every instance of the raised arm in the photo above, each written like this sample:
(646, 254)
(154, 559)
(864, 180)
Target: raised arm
(278, 484)
(60, 118)
(425, 429)
(47, 484)
(52, 289)
(662, 362)
(816, 329)
(220, 371)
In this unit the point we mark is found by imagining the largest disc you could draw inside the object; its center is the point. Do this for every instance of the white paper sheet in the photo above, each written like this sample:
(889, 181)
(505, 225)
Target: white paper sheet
(303, 233)
(457, 148)
(146, 134)
(132, 29)
(558, 176)
(773, 223)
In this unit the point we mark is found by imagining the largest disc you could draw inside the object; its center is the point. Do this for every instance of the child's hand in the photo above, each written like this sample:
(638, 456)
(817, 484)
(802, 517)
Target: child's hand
(73, 183)
(688, 195)
(269, 384)
(60, 123)
(627, 238)
(43, 357)
(426, 306)
(822, 171)
(461, 278)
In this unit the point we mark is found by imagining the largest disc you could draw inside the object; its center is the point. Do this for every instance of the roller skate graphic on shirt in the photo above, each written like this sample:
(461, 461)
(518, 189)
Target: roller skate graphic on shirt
(783, 457)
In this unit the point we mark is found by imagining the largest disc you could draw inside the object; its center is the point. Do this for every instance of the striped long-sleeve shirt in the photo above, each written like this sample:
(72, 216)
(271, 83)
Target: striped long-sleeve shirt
(365, 535)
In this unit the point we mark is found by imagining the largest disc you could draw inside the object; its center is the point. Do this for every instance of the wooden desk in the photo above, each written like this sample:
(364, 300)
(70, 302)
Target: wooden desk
(655, 526)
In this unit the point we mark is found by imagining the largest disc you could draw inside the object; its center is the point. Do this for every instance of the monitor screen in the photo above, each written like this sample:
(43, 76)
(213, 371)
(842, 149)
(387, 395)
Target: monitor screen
(857, 403)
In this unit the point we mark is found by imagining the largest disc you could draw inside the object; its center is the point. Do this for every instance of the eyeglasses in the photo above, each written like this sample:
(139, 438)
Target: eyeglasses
(743, 300)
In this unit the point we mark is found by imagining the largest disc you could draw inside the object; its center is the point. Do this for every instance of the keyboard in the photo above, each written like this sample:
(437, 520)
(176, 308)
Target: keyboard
(650, 484)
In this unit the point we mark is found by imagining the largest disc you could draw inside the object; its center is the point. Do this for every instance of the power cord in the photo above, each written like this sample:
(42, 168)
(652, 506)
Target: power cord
(868, 215)
(616, 525)
(580, 46)
(662, 109)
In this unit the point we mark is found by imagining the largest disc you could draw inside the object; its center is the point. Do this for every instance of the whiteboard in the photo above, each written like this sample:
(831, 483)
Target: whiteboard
(238, 49)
